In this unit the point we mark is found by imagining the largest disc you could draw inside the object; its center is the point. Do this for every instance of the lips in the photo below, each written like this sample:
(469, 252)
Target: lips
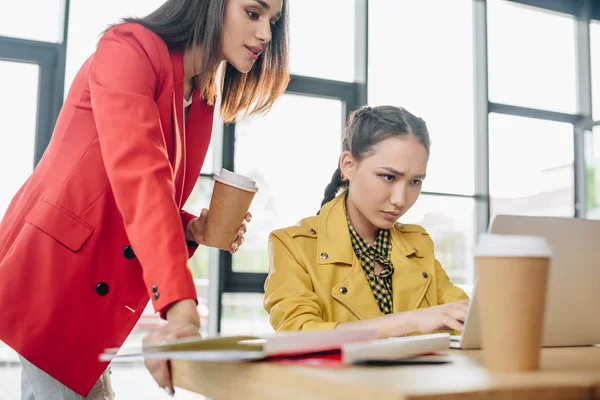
(253, 51)
(391, 215)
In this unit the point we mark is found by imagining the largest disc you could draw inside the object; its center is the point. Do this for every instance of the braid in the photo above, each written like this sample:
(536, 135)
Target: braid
(333, 187)
(364, 112)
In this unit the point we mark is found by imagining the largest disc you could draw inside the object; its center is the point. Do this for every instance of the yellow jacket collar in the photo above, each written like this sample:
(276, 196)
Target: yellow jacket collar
(333, 239)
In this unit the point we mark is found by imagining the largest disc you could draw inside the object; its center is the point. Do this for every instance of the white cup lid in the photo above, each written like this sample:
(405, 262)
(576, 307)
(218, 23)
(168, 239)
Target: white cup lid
(236, 180)
(496, 245)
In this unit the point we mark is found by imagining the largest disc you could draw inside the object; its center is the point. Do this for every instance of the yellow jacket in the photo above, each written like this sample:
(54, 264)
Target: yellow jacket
(315, 281)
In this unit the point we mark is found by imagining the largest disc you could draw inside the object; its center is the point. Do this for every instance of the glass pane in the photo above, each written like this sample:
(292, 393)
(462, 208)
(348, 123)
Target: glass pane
(209, 166)
(18, 112)
(595, 55)
(18, 105)
(432, 62)
(531, 57)
(291, 181)
(592, 148)
(322, 39)
(44, 22)
(199, 199)
(87, 21)
(451, 224)
(243, 313)
(531, 166)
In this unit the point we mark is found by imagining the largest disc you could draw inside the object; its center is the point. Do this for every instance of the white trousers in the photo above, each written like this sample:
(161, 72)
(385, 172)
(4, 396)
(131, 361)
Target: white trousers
(38, 385)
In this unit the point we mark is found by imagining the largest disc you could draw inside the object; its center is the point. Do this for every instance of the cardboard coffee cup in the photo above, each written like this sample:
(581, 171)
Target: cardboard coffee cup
(229, 204)
(512, 276)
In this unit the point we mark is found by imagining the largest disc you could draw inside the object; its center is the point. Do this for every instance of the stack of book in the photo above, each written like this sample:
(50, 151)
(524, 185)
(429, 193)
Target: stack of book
(343, 347)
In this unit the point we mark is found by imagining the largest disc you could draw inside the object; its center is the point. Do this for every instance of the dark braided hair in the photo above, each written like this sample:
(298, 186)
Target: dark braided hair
(366, 128)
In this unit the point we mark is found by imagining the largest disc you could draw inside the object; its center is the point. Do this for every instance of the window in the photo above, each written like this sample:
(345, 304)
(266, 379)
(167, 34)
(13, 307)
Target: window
(243, 313)
(18, 102)
(595, 59)
(87, 21)
(422, 60)
(199, 199)
(450, 221)
(42, 20)
(531, 166)
(531, 57)
(212, 162)
(322, 39)
(592, 147)
(303, 136)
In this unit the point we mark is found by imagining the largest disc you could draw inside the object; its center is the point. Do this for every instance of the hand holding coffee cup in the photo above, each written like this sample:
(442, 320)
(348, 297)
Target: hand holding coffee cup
(512, 276)
(194, 231)
(231, 198)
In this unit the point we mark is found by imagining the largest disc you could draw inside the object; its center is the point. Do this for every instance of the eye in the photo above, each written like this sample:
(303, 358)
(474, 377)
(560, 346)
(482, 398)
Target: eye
(252, 14)
(387, 177)
(416, 182)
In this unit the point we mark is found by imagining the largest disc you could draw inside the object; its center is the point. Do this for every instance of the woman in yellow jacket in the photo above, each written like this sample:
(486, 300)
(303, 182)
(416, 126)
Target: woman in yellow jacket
(353, 265)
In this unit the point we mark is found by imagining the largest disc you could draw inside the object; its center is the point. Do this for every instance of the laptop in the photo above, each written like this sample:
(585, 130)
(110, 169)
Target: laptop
(572, 316)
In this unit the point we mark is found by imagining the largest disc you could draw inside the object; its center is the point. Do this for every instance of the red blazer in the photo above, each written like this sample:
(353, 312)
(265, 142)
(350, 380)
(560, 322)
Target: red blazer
(98, 227)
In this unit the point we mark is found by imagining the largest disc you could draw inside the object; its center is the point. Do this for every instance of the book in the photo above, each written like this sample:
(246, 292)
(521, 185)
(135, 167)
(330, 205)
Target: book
(395, 348)
(347, 346)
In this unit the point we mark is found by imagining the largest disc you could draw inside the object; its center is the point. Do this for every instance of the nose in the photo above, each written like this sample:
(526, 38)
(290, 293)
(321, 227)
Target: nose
(264, 33)
(398, 196)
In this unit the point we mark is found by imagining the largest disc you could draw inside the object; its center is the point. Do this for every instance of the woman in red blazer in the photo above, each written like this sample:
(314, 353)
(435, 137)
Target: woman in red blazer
(98, 228)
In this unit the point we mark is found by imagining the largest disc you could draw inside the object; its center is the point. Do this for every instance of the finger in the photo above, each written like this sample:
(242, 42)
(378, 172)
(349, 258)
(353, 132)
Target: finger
(203, 214)
(242, 230)
(153, 338)
(159, 369)
(459, 306)
(235, 245)
(459, 314)
(238, 242)
(452, 323)
(248, 217)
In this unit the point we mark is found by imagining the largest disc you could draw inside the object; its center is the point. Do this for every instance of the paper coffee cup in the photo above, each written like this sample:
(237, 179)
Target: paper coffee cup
(231, 198)
(512, 276)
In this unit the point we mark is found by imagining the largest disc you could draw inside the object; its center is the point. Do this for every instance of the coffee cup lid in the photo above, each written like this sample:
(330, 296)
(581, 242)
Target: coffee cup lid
(236, 180)
(499, 245)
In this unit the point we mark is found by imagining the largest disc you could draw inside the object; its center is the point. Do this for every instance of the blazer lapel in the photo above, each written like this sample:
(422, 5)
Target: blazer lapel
(334, 247)
(409, 282)
(179, 160)
(198, 131)
(354, 293)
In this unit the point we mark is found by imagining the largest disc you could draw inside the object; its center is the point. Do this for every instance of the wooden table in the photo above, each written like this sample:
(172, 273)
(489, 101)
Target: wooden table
(566, 373)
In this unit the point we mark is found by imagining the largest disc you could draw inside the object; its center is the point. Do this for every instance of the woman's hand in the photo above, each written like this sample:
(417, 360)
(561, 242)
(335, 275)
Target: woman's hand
(182, 321)
(424, 320)
(444, 317)
(196, 227)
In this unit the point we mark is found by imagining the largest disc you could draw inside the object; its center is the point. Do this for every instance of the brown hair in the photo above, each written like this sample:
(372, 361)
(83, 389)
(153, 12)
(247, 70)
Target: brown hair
(366, 128)
(185, 24)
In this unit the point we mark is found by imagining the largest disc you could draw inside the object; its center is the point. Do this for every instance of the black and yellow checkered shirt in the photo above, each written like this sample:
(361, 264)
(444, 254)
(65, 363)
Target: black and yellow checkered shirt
(381, 284)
